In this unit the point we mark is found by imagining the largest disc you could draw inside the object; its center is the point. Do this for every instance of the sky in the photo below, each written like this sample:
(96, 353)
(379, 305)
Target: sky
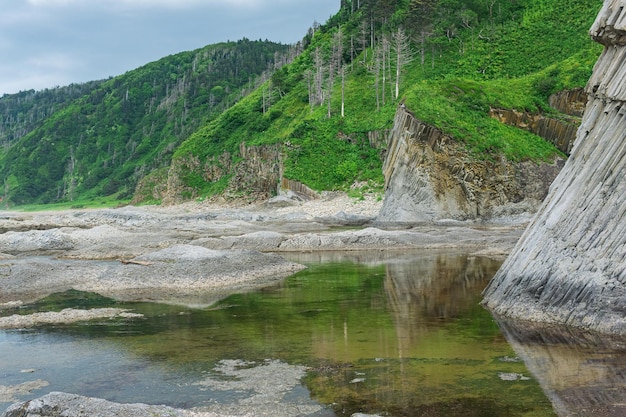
(49, 43)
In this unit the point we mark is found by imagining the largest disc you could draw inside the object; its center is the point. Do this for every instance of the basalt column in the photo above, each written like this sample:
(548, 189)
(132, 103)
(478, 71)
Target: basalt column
(569, 267)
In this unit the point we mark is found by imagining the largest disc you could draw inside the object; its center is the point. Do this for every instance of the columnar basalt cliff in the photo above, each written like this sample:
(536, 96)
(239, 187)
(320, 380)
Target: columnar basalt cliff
(560, 131)
(570, 265)
(430, 176)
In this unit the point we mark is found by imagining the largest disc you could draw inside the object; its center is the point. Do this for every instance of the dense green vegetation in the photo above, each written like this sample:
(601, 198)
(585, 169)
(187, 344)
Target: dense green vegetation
(470, 56)
(449, 60)
(102, 142)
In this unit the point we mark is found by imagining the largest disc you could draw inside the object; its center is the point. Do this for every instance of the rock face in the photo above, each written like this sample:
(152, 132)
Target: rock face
(255, 170)
(429, 176)
(561, 131)
(570, 265)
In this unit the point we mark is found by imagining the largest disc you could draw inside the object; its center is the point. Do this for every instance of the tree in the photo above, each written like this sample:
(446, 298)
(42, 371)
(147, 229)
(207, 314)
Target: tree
(379, 68)
(338, 63)
(318, 79)
(402, 49)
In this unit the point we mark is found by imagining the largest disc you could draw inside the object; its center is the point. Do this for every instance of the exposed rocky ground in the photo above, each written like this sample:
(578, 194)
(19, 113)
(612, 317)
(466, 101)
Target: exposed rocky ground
(192, 254)
(196, 254)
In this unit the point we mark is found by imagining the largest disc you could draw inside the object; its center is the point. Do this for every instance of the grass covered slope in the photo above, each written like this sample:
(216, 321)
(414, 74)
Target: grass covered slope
(462, 59)
(325, 103)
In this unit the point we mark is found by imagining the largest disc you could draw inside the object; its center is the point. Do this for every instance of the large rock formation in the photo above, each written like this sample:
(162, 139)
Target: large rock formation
(255, 171)
(430, 176)
(570, 265)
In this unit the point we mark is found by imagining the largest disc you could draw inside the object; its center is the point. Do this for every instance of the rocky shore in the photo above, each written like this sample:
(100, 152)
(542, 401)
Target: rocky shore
(569, 268)
(194, 255)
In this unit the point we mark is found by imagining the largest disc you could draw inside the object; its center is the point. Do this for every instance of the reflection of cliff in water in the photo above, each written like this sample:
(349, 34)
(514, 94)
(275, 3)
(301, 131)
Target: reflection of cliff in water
(583, 374)
(435, 288)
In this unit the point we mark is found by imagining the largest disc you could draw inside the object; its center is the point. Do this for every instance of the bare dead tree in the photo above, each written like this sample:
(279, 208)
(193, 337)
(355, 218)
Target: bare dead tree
(363, 35)
(343, 91)
(308, 76)
(376, 69)
(385, 64)
(318, 80)
(402, 48)
(338, 58)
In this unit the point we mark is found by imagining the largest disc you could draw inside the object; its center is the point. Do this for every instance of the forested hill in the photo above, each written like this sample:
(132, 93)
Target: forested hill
(21, 113)
(322, 103)
(99, 138)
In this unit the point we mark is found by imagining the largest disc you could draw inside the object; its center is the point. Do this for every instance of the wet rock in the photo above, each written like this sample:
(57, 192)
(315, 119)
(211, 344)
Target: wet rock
(9, 393)
(266, 387)
(59, 404)
(68, 315)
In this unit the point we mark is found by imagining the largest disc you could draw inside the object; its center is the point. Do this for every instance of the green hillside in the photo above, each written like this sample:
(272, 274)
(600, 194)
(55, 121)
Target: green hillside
(448, 60)
(102, 142)
(457, 60)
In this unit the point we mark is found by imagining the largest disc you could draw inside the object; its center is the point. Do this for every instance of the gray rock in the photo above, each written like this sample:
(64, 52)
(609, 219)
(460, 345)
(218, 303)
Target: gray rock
(342, 218)
(262, 241)
(35, 241)
(430, 176)
(59, 404)
(569, 267)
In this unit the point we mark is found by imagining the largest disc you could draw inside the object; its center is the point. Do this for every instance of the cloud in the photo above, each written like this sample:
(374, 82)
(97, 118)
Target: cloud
(52, 62)
(38, 72)
(44, 43)
(130, 4)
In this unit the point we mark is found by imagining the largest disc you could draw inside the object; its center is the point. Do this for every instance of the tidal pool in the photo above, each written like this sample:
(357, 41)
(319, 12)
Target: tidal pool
(395, 334)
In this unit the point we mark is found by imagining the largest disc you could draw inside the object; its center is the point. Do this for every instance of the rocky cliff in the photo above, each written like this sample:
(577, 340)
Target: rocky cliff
(560, 129)
(430, 176)
(253, 174)
(570, 265)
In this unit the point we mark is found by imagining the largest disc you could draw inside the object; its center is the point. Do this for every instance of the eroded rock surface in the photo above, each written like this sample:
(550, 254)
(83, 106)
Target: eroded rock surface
(198, 255)
(570, 265)
(266, 388)
(429, 176)
(68, 315)
(60, 404)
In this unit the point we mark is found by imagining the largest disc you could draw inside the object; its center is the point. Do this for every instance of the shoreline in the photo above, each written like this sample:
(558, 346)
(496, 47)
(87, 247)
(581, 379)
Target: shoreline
(196, 254)
(199, 252)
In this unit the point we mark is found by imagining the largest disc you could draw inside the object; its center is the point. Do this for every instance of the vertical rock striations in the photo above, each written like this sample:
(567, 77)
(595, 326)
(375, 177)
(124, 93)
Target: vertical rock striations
(429, 176)
(561, 132)
(570, 265)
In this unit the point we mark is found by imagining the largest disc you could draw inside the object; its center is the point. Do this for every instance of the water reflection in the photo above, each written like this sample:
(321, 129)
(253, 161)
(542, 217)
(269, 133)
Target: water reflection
(583, 374)
(440, 355)
(437, 288)
(379, 332)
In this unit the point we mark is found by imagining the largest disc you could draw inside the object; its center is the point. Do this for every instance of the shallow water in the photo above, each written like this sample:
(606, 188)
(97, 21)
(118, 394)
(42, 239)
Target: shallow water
(381, 332)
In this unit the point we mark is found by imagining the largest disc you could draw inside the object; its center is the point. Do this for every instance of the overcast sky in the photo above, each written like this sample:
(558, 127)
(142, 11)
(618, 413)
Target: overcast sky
(48, 43)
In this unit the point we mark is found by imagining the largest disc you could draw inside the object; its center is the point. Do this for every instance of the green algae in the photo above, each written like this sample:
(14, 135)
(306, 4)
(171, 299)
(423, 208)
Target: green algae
(399, 336)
